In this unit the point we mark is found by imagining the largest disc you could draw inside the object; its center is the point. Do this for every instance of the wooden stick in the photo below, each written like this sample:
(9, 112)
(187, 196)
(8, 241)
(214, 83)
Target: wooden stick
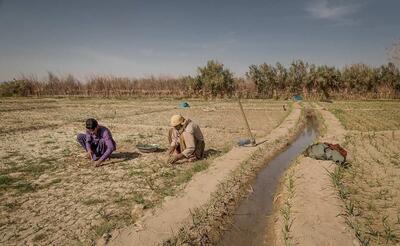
(253, 141)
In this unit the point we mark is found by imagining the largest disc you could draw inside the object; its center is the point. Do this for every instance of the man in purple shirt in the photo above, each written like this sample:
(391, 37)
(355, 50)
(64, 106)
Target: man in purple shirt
(97, 142)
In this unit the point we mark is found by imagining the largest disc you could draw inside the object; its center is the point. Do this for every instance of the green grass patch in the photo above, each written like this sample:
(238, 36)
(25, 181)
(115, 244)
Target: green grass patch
(200, 166)
(22, 186)
(187, 174)
(168, 173)
(184, 177)
(6, 180)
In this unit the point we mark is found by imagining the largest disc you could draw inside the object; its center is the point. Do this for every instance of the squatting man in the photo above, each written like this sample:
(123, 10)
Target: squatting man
(97, 142)
(185, 139)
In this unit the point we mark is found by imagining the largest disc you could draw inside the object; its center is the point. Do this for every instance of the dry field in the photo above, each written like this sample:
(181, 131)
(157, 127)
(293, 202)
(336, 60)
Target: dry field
(370, 187)
(50, 194)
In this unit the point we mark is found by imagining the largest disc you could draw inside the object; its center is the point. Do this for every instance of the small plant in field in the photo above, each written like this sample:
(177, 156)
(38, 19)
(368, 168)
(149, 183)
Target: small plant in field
(363, 218)
(371, 206)
(383, 194)
(351, 209)
(39, 237)
(286, 209)
(395, 160)
(66, 152)
(336, 177)
(138, 198)
(360, 235)
(12, 206)
(286, 214)
(49, 142)
(389, 233)
(104, 228)
(24, 187)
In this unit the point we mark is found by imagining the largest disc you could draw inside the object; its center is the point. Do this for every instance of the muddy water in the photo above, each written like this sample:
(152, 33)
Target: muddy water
(250, 219)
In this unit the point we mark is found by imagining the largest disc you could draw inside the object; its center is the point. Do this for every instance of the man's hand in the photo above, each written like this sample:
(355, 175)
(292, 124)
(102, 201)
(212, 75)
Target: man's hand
(175, 158)
(171, 150)
(90, 154)
(97, 163)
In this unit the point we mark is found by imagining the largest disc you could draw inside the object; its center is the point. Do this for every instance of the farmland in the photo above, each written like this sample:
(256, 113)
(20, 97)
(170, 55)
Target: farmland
(51, 194)
(321, 203)
(370, 186)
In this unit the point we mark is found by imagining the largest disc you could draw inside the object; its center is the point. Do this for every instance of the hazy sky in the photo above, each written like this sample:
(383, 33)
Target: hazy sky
(167, 37)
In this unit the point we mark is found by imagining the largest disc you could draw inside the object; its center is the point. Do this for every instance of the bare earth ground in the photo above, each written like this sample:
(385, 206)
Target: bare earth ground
(155, 227)
(49, 194)
(308, 206)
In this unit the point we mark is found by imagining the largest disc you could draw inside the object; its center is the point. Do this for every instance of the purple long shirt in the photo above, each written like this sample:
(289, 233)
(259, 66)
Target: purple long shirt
(105, 134)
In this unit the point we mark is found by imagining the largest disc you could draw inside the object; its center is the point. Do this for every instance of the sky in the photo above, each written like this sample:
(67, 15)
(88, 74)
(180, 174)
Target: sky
(174, 37)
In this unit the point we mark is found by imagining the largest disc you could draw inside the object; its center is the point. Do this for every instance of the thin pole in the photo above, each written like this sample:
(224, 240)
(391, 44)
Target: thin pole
(253, 141)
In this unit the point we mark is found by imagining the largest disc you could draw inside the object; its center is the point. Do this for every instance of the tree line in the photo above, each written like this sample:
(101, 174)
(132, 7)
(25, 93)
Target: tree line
(214, 80)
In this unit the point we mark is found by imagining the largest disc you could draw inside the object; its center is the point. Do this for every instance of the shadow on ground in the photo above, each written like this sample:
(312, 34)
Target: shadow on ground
(121, 157)
(211, 152)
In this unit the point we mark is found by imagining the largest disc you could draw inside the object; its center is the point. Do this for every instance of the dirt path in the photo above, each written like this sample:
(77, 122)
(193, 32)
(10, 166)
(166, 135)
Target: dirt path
(314, 206)
(159, 225)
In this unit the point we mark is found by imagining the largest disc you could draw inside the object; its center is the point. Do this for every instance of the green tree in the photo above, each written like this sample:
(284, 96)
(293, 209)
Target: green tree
(326, 79)
(297, 76)
(214, 79)
(281, 76)
(264, 77)
(360, 78)
(389, 77)
(16, 88)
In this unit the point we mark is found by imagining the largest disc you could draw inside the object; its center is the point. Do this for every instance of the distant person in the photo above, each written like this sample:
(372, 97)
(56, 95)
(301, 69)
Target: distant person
(97, 142)
(186, 140)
